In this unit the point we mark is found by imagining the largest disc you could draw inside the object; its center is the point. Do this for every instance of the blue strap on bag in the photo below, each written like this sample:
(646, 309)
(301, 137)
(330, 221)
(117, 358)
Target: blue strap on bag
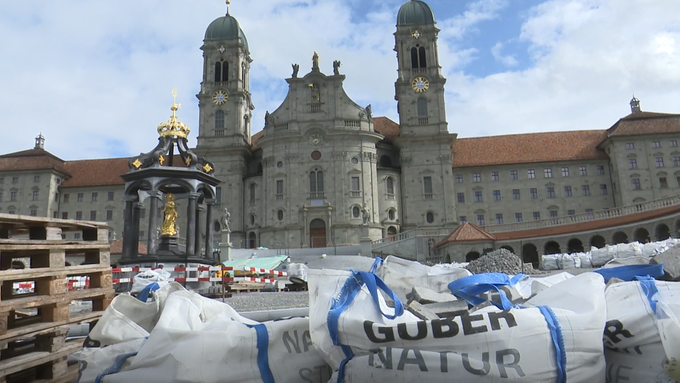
(263, 352)
(630, 272)
(469, 288)
(146, 291)
(349, 291)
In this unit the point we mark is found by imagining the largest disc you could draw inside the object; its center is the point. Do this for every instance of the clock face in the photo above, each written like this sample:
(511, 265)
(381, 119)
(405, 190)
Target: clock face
(420, 84)
(219, 97)
(221, 49)
(416, 34)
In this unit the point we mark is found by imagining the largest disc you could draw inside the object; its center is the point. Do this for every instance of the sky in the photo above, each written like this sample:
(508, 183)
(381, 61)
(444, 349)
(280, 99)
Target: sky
(95, 77)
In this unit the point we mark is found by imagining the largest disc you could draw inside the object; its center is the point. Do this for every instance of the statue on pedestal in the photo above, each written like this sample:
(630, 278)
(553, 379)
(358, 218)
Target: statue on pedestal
(169, 228)
(366, 214)
(226, 217)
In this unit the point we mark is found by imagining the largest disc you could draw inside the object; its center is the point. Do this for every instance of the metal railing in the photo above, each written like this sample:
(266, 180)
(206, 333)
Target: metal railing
(586, 217)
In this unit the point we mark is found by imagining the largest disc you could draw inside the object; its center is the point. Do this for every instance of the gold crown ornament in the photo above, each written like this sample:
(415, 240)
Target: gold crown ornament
(173, 127)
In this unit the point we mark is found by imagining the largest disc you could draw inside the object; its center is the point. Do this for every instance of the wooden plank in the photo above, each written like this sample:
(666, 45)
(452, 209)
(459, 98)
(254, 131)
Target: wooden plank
(28, 274)
(55, 222)
(42, 300)
(40, 244)
(46, 327)
(34, 359)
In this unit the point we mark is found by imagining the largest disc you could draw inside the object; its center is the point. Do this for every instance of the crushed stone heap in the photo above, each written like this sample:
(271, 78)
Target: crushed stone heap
(497, 261)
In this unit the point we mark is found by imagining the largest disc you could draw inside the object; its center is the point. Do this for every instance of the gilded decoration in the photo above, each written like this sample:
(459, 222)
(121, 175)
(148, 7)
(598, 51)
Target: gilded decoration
(137, 163)
(169, 228)
(173, 127)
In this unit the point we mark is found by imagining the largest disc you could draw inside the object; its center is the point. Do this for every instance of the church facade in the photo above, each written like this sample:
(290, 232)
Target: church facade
(324, 171)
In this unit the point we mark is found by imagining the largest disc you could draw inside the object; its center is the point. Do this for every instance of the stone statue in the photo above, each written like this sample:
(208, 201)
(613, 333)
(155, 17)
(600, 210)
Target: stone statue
(296, 69)
(169, 228)
(366, 214)
(336, 67)
(315, 62)
(266, 118)
(369, 113)
(226, 217)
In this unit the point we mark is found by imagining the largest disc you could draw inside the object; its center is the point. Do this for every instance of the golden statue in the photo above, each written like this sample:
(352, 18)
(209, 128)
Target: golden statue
(169, 228)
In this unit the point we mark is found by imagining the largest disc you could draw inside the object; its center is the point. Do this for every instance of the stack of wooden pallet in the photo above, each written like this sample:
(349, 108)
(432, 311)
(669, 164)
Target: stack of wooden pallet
(42, 295)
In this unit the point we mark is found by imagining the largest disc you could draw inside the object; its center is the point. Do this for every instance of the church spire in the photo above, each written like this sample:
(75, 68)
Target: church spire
(40, 141)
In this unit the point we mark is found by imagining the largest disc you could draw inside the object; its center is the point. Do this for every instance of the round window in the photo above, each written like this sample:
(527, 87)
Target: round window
(279, 215)
(354, 160)
(429, 217)
(316, 155)
(279, 164)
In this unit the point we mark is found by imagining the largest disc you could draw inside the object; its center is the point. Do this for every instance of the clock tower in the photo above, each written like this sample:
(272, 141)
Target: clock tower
(424, 140)
(224, 101)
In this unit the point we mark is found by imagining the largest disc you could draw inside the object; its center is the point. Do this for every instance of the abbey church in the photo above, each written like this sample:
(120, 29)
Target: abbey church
(325, 172)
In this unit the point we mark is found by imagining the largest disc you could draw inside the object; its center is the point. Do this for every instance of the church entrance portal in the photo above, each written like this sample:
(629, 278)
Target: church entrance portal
(317, 233)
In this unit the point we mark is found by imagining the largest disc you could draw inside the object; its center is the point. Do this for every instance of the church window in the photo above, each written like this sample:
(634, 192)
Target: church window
(316, 183)
(354, 187)
(252, 219)
(316, 155)
(391, 214)
(252, 192)
(356, 212)
(389, 184)
(279, 189)
(279, 215)
(422, 107)
(219, 123)
(418, 58)
(427, 187)
(429, 217)
(218, 195)
(221, 71)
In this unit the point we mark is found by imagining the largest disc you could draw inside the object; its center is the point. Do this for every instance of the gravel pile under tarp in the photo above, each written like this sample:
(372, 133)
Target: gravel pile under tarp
(497, 261)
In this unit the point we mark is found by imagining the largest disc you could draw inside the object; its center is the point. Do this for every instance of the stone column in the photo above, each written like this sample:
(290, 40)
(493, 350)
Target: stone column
(197, 239)
(136, 207)
(191, 225)
(209, 230)
(128, 249)
(365, 242)
(152, 236)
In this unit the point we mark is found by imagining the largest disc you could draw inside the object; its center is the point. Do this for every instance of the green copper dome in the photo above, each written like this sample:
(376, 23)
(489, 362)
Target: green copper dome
(225, 28)
(415, 12)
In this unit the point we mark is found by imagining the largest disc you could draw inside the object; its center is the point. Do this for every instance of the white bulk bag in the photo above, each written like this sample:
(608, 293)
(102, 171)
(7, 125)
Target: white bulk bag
(569, 261)
(147, 277)
(201, 340)
(550, 262)
(403, 275)
(633, 348)
(586, 260)
(558, 338)
(125, 319)
(603, 255)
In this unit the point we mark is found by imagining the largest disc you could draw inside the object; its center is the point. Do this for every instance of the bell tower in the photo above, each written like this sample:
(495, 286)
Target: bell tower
(424, 140)
(224, 100)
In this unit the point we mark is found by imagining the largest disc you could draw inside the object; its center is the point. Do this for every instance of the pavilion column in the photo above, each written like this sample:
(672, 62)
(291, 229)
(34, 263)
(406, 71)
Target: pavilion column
(152, 235)
(208, 230)
(136, 207)
(191, 225)
(127, 228)
(197, 240)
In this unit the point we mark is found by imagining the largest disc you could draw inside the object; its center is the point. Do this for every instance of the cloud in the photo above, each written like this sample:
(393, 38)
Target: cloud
(508, 60)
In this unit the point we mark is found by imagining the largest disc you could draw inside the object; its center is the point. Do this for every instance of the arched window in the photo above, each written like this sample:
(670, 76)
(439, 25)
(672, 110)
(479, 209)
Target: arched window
(316, 183)
(219, 123)
(391, 214)
(389, 185)
(423, 59)
(252, 219)
(422, 107)
(356, 212)
(221, 71)
(418, 58)
(252, 192)
(279, 215)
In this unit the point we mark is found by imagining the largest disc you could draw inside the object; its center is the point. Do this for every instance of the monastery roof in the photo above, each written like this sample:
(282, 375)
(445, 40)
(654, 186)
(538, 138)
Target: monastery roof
(467, 232)
(386, 127)
(103, 172)
(643, 123)
(254, 139)
(117, 247)
(528, 148)
(32, 159)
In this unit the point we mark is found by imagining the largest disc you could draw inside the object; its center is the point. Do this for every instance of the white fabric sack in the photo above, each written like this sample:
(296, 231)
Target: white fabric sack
(490, 345)
(403, 275)
(550, 262)
(633, 347)
(601, 256)
(586, 260)
(125, 319)
(201, 340)
(569, 261)
(530, 286)
(95, 360)
(147, 277)
(628, 250)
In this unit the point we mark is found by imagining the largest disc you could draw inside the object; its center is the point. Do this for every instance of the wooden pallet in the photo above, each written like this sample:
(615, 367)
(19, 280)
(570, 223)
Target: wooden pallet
(35, 318)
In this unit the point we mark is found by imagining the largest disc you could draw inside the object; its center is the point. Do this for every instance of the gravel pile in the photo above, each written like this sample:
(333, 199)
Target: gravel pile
(497, 261)
(244, 302)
